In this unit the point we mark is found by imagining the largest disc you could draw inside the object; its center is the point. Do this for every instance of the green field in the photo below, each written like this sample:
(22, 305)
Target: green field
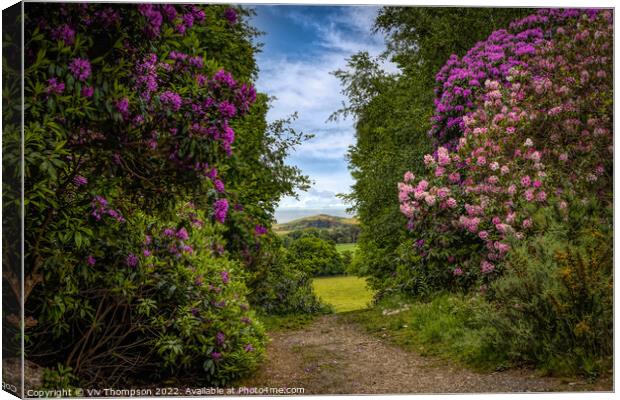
(341, 247)
(344, 293)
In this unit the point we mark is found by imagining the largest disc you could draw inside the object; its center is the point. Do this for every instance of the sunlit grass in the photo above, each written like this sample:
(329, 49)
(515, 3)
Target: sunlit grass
(341, 247)
(343, 293)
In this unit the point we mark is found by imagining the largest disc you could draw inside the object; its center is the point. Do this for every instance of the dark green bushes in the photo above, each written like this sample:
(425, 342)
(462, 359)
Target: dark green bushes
(315, 257)
(278, 285)
(555, 299)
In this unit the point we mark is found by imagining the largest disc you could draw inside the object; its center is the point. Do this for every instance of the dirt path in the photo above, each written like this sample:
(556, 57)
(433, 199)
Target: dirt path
(330, 357)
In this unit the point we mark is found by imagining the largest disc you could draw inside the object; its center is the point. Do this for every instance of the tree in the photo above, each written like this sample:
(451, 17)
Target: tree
(315, 256)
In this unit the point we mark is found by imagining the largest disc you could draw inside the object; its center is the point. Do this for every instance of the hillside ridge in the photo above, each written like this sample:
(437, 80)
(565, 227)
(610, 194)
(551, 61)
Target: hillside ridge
(315, 221)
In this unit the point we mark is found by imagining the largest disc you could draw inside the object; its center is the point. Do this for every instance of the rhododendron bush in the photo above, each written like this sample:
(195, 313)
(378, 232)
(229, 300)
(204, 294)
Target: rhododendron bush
(133, 115)
(523, 121)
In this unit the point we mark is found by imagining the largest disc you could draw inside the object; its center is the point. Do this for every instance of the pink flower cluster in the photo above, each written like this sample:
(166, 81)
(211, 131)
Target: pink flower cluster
(513, 143)
(460, 81)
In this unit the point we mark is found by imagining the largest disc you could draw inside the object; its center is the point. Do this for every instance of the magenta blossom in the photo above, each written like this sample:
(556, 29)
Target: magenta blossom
(221, 210)
(225, 276)
(88, 91)
(231, 15)
(182, 234)
(80, 68)
(64, 33)
(79, 180)
(220, 338)
(169, 232)
(123, 106)
(91, 260)
(260, 230)
(54, 86)
(131, 260)
(171, 99)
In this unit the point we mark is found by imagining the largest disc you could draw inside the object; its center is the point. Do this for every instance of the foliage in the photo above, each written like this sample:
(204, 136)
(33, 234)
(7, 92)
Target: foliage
(347, 258)
(150, 181)
(539, 136)
(315, 257)
(392, 114)
(556, 296)
(279, 285)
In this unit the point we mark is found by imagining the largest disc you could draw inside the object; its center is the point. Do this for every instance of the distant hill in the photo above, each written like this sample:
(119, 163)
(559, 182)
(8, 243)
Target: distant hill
(321, 221)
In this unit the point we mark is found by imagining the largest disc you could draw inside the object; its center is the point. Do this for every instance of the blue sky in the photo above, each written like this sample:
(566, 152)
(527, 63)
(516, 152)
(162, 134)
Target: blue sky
(302, 45)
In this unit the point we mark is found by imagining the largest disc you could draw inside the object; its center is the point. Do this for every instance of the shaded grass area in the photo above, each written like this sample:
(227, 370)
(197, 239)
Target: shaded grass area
(290, 322)
(343, 293)
(448, 326)
(342, 247)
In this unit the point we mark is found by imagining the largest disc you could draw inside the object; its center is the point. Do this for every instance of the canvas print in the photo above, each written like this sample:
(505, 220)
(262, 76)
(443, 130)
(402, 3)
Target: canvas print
(214, 199)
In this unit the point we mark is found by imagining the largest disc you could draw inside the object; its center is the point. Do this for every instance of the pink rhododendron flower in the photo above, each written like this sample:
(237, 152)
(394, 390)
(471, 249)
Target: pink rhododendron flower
(526, 181)
(486, 267)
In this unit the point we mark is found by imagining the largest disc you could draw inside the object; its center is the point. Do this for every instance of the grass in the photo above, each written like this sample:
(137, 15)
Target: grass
(449, 326)
(342, 247)
(343, 293)
(291, 322)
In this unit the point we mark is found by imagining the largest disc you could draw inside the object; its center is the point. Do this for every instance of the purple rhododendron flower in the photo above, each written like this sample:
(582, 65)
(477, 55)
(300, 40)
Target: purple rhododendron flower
(131, 260)
(220, 338)
(91, 260)
(80, 68)
(169, 232)
(219, 185)
(225, 276)
(64, 33)
(231, 15)
(79, 180)
(260, 230)
(88, 91)
(249, 348)
(154, 19)
(227, 109)
(182, 234)
(224, 78)
(171, 99)
(123, 106)
(221, 210)
(54, 86)
(216, 356)
(169, 11)
(196, 62)
(188, 20)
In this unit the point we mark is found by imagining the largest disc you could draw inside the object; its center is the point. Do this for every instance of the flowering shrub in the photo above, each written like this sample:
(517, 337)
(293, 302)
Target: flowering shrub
(130, 113)
(461, 81)
(525, 121)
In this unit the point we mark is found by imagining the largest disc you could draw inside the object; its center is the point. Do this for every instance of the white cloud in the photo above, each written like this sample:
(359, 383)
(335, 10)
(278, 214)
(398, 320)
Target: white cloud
(307, 86)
